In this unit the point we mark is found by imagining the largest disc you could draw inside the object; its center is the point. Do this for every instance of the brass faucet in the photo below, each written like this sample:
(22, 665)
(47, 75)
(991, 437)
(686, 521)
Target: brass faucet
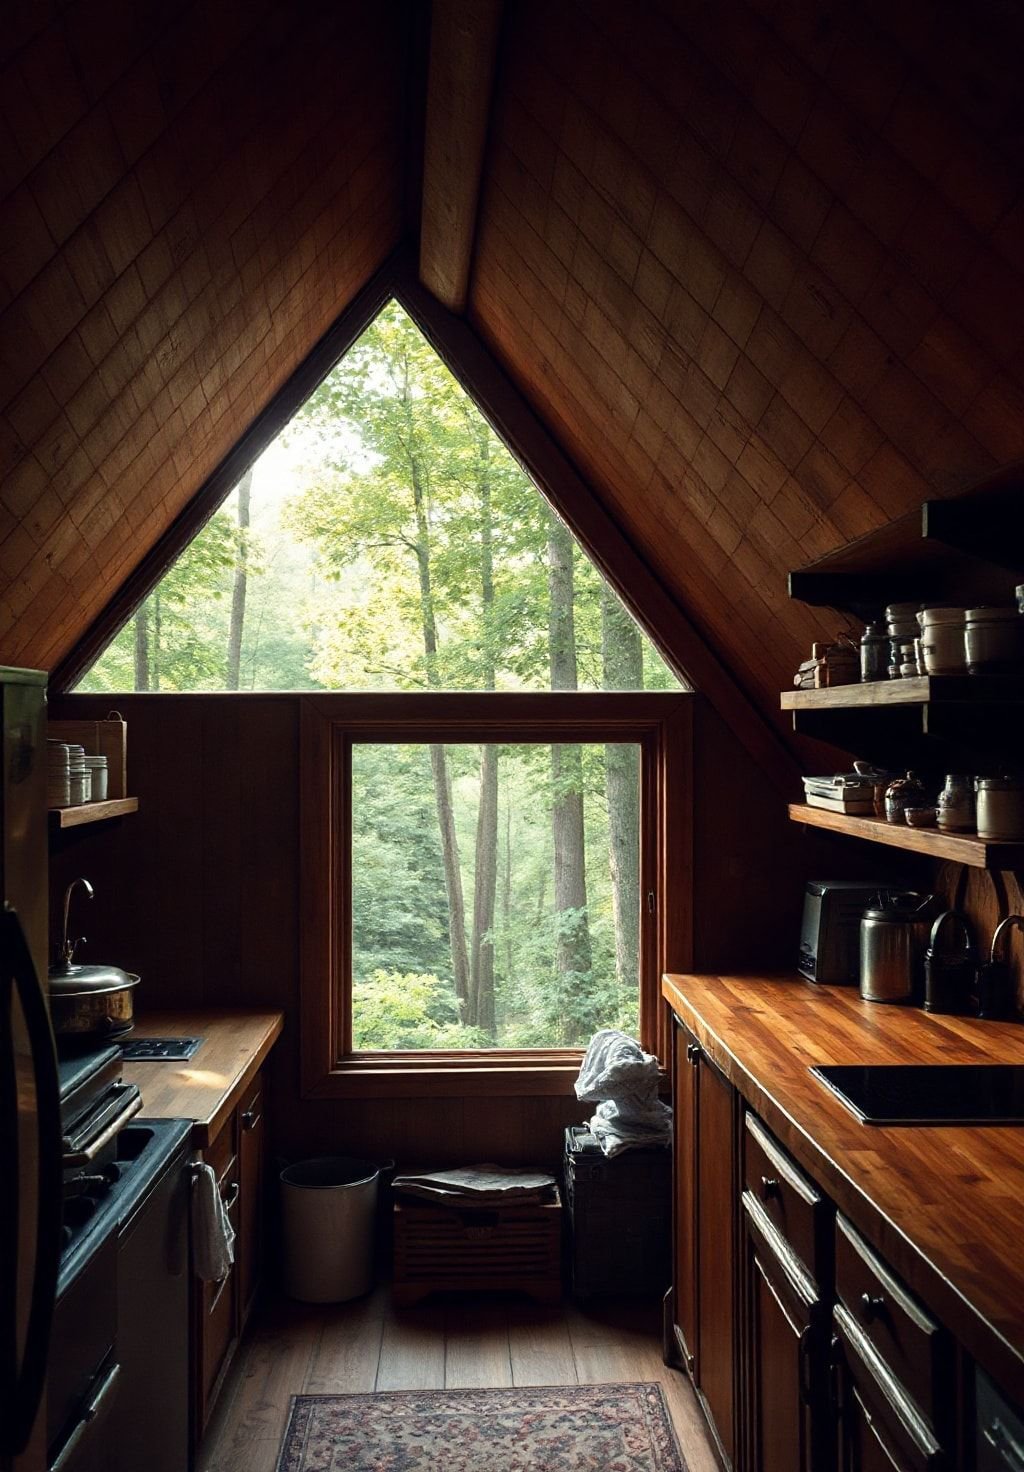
(68, 947)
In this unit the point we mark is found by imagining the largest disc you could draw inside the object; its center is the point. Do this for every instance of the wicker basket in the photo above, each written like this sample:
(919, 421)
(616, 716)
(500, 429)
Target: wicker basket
(620, 1215)
(509, 1249)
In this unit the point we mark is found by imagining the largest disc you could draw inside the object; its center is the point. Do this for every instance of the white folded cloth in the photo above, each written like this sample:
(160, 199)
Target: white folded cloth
(213, 1236)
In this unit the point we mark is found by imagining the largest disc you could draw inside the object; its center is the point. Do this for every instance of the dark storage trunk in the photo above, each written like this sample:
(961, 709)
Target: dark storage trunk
(620, 1214)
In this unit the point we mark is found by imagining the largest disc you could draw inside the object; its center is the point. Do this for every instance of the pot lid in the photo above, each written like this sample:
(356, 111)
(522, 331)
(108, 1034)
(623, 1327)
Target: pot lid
(84, 981)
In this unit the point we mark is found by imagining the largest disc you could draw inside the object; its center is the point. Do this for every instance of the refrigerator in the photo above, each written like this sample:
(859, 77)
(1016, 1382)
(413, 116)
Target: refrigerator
(30, 1214)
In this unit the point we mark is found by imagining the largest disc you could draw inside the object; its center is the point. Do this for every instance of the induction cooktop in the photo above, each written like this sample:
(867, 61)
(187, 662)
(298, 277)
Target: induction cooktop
(940, 1093)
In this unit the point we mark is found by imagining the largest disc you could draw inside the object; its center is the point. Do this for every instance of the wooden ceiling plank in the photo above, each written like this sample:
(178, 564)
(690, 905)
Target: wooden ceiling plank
(463, 46)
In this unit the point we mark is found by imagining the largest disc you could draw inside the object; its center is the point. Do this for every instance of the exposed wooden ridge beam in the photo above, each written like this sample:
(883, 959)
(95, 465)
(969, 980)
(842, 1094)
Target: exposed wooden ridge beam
(640, 589)
(463, 45)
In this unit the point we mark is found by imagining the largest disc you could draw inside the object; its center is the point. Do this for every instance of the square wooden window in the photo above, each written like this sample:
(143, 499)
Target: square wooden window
(658, 724)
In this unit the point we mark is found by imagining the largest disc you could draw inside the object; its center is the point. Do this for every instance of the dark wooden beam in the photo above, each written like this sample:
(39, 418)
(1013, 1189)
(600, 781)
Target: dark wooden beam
(463, 45)
(643, 593)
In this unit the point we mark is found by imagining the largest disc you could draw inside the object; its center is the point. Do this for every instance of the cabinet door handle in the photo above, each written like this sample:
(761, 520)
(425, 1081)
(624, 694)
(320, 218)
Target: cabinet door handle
(250, 1118)
(769, 1186)
(873, 1305)
(693, 1053)
(232, 1195)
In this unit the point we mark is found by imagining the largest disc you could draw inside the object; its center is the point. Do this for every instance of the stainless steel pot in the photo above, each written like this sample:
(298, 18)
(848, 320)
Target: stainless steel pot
(88, 1000)
(91, 1000)
(891, 945)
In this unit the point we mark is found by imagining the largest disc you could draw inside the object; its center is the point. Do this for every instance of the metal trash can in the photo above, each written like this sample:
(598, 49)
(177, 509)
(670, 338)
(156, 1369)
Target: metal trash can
(329, 1208)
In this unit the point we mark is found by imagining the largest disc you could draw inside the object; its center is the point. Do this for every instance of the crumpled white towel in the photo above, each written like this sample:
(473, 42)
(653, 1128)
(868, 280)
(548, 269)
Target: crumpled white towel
(622, 1080)
(213, 1236)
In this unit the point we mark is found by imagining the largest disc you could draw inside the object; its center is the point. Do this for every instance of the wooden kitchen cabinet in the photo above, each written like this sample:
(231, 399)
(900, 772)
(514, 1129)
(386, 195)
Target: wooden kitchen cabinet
(250, 1205)
(220, 1310)
(785, 1339)
(895, 1367)
(705, 1233)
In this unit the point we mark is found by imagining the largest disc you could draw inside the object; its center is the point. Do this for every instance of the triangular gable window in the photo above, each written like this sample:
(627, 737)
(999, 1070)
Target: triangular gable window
(385, 540)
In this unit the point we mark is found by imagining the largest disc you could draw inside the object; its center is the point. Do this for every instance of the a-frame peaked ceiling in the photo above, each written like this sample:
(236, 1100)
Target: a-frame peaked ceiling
(759, 266)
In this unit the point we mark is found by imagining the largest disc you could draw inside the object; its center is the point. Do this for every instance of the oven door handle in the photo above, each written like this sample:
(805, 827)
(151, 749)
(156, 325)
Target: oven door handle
(85, 1156)
(20, 1402)
(92, 1417)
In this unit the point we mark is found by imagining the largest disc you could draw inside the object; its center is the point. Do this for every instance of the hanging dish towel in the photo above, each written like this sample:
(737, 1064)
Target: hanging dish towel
(213, 1236)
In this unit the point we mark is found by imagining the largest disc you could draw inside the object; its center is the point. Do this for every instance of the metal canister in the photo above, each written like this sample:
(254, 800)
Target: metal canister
(874, 653)
(891, 942)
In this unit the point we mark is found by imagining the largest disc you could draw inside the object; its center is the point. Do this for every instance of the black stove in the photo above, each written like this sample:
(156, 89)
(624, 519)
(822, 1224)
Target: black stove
(929, 1094)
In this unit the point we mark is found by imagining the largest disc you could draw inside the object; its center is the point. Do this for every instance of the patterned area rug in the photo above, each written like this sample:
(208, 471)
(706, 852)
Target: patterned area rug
(551, 1428)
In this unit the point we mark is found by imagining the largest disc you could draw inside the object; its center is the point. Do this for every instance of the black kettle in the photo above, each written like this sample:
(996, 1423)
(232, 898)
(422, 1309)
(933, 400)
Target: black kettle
(949, 975)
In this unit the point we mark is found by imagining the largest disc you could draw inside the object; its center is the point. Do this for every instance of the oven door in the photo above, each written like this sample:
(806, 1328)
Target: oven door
(79, 1390)
(85, 1449)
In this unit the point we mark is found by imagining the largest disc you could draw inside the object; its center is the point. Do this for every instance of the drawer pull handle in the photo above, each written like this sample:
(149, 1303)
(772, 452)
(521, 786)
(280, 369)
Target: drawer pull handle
(250, 1119)
(769, 1186)
(873, 1305)
(232, 1195)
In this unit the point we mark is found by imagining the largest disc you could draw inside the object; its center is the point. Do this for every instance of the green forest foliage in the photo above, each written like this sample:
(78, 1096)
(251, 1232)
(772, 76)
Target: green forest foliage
(397, 545)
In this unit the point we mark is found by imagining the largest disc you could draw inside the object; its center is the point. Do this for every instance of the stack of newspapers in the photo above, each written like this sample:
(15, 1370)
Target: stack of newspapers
(479, 1185)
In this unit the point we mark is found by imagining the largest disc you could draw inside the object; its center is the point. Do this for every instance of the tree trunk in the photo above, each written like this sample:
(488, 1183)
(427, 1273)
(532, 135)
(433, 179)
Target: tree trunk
(572, 950)
(484, 887)
(239, 584)
(439, 761)
(142, 647)
(154, 658)
(623, 669)
(481, 983)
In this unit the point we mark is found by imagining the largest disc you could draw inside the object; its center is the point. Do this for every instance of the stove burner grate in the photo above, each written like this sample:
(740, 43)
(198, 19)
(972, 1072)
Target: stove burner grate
(160, 1050)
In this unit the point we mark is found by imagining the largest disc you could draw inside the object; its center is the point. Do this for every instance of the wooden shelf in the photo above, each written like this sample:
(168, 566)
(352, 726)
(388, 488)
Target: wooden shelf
(968, 549)
(958, 848)
(92, 812)
(917, 690)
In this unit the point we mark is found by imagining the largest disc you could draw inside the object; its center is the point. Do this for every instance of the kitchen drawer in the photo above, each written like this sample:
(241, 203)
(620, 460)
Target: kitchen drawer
(915, 1349)
(250, 1110)
(795, 1208)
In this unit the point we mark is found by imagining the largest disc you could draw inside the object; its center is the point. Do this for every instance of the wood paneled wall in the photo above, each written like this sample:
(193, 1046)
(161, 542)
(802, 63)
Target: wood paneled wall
(199, 893)
(189, 195)
(760, 266)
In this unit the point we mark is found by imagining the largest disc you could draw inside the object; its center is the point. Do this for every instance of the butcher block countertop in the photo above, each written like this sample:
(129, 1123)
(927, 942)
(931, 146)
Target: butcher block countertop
(944, 1205)
(205, 1088)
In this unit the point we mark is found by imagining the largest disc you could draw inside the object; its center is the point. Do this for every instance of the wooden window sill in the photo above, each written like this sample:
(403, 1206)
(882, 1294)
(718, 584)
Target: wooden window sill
(508, 1075)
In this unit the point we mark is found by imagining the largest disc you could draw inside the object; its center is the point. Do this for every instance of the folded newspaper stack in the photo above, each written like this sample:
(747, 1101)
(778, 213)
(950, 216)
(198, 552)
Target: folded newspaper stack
(478, 1185)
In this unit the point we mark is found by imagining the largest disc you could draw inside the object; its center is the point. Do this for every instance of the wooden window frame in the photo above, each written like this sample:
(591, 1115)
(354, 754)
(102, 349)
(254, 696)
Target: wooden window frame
(660, 723)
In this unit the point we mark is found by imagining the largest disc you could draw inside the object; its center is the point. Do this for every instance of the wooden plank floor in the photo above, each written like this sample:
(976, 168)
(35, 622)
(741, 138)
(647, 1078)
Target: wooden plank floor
(371, 1345)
